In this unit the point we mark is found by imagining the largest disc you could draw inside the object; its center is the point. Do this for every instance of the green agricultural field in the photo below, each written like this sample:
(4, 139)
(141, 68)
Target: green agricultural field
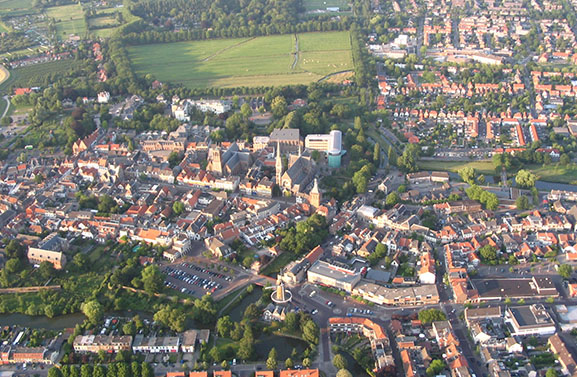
(260, 61)
(34, 75)
(69, 20)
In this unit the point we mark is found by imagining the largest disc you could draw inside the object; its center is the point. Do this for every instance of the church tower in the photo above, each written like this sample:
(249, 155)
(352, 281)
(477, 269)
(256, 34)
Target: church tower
(278, 165)
(315, 195)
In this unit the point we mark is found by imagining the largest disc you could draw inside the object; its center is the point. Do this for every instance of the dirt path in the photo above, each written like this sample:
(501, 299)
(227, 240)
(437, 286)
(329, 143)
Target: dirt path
(226, 49)
(334, 74)
(296, 53)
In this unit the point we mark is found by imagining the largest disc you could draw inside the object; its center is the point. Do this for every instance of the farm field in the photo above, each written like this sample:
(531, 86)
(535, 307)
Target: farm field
(69, 20)
(34, 75)
(481, 167)
(261, 61)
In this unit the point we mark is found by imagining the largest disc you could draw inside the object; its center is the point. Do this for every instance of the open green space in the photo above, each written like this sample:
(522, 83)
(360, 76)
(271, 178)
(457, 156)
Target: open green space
(484, 167)
(35, 75)
(324, 4)
(69, 19)
(261, 61)
(550, 173)
(555, 173)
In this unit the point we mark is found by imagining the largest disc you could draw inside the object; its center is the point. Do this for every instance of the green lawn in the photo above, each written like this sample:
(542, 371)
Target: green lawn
(484, 167)
(69, 20)
(15, 4)
(550, 173)
(324, 4)
(277, 264)
(34, 75)
(261, 61)
(555, 173)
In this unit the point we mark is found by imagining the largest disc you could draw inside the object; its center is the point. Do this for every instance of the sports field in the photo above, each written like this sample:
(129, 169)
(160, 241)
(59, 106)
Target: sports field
(260, 61)
(324, 4)
(69, 20)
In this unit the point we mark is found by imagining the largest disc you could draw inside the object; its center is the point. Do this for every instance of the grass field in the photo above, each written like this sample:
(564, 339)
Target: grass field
(482, 167)
(4, 74)
(34, 75)
(324, 4)
(550, 173)
(261, 61)
(69, 19)
(15, 4)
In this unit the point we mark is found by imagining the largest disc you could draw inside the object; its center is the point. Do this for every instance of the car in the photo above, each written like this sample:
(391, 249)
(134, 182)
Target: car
(315, 311)
(312, 293)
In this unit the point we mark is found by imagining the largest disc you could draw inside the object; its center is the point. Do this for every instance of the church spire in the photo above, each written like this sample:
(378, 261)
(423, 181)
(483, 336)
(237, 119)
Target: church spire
(278, 165)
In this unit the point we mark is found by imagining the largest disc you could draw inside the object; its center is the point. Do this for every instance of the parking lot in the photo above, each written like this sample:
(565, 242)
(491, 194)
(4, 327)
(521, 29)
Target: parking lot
(194, 280)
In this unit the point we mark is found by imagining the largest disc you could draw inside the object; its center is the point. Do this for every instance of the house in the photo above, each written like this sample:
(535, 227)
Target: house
(218, 248)
(566, 359)
(300, 373)
(427, 269)
(49, 250)
(530, 320)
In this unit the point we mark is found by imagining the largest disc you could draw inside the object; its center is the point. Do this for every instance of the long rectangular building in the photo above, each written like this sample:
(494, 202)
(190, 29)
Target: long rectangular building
(333, 275)
(406, 296)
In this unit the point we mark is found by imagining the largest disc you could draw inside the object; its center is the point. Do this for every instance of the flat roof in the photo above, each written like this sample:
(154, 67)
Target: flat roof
(497, 288)
(325, 269)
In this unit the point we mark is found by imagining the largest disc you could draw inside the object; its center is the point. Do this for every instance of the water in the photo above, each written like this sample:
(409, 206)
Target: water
(548, 186)
(283, 345)
(41, 322)
(237, 311)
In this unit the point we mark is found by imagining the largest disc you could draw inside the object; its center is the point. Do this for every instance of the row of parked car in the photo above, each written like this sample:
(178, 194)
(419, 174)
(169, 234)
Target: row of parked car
(206, 271)
(192, 279)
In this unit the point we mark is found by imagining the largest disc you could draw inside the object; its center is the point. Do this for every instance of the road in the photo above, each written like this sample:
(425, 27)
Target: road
(5, 98)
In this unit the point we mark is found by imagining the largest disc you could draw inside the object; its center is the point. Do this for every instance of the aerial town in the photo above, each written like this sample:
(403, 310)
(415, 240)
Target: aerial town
(296, 188)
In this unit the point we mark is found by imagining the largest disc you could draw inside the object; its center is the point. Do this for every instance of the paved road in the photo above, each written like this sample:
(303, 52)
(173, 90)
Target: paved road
(5, 98)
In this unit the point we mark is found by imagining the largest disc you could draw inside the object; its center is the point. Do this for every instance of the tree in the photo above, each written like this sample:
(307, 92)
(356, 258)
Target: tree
(489, 254)
(467, 174)
(435, 367)
(174, 159)
(271, 361)
(246, 110)
(246, 344)
(310, 332)
(129, 328)
(377, 153)
(551, 373)
(340, 362)
(306, 362)
(46, 270)
(565, 271)
(80, 260)
(344, 373)
(93, 311)
(13, 265)
(224, 326)
(522, 203)
(177, 208)
(408, 160)
(288, 363)
(152, 279)
(54, 372)
(564, 160)
(279, 107)
(215, 354)
(14, 249)
(431, 315)
(392, 156)
(392, 199)
(525, 178)
(251, 312)
(86, 370)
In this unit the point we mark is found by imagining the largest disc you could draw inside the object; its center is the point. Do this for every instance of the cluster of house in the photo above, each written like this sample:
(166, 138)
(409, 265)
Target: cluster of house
(15, 348)
(185, 342)
(377, 336)
(140, 182)
(260, 373)
(499, 334)
(420, 344)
